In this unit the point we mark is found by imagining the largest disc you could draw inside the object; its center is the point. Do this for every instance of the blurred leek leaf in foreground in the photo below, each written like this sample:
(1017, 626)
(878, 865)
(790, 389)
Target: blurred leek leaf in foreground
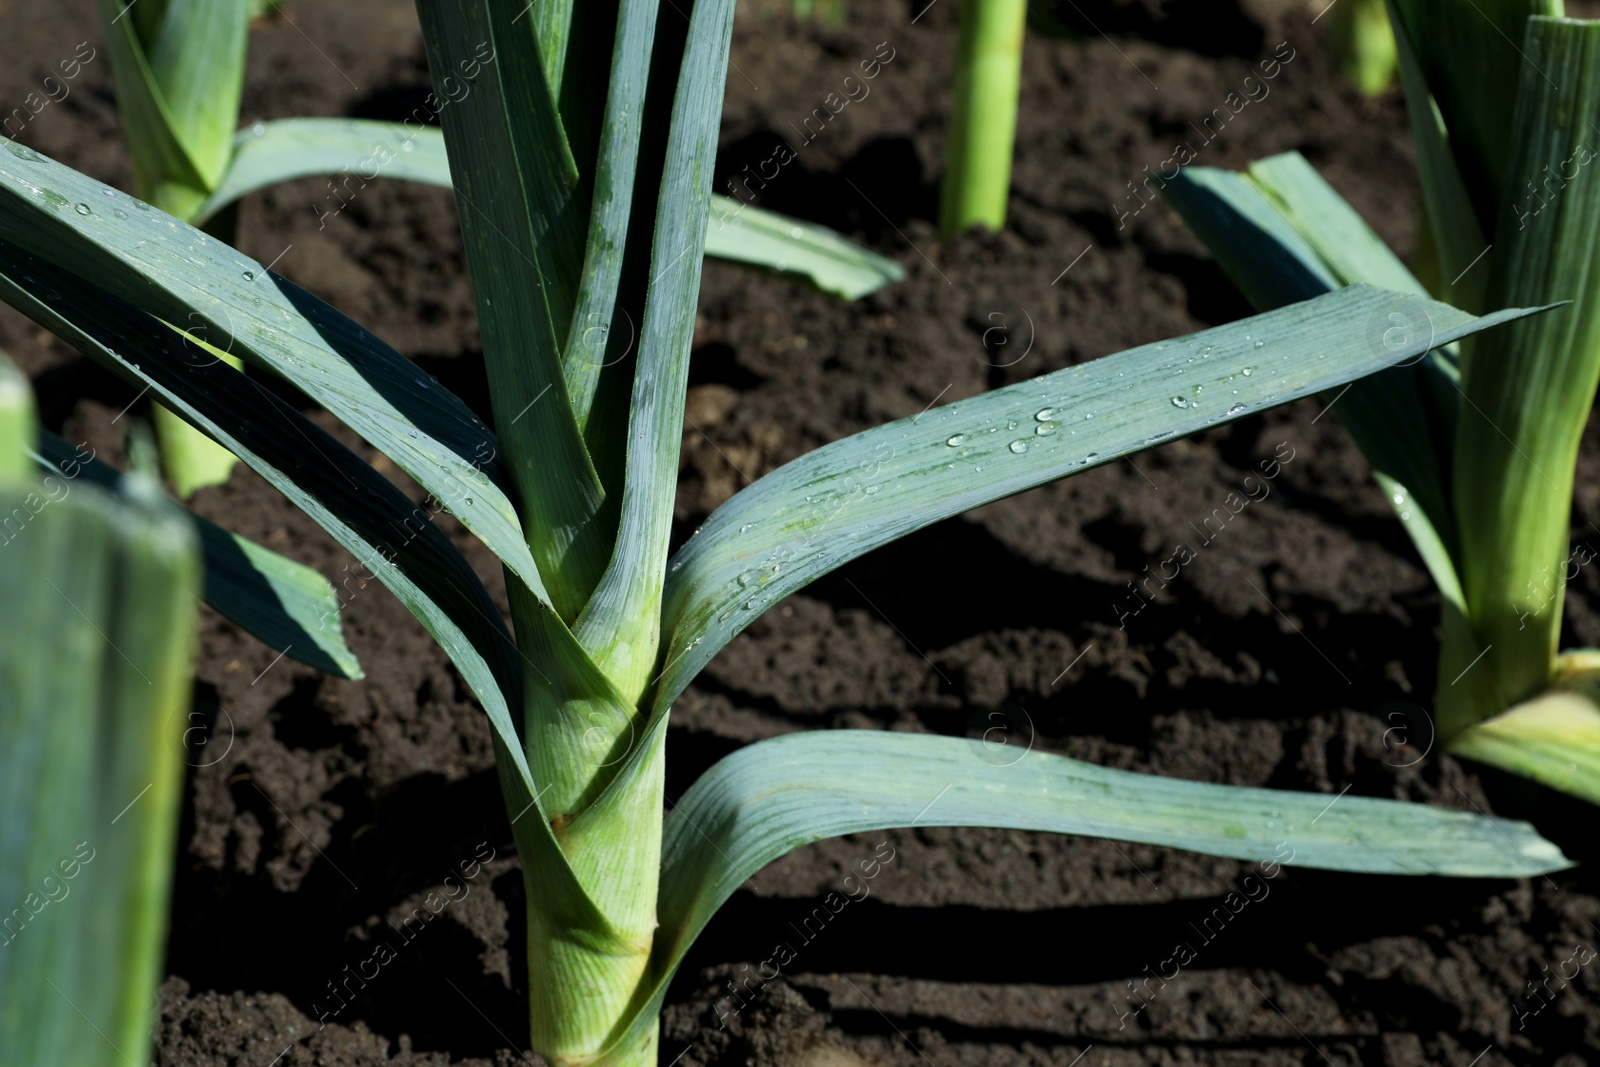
(96, 650)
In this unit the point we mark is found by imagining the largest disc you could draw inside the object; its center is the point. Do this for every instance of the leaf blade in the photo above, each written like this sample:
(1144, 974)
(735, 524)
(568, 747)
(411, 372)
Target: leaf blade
(284, 604)
(770, 539)
(621, 624)
(776, 795)
(185, 277)
(522, 216)
(789, 247)
(1282, 233)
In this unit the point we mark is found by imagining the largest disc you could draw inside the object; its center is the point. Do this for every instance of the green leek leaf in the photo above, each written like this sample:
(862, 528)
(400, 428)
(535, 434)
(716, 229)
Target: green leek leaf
(1283, 234)
(274, 152)
(621, 624)
(790, 248)
(227, 300)
(843, 500)
(285, 604)
(522, 219)
(96, 646)
(1553, 738)
(777, 795)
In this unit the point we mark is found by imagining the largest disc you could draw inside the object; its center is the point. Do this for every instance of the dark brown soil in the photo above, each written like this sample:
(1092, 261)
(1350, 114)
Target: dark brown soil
(321, 810)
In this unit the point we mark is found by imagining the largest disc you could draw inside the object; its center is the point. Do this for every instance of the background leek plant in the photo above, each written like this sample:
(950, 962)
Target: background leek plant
(96, 646)
(1363, 44)
(577, 203)
(983, 116)
(1477, 446)
(179, 72)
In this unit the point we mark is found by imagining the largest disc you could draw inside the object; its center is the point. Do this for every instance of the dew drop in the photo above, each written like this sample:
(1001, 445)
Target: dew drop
(1091, 457)
(748, 576)
(750, 605)
(423, 383)
(1245, 372)
(725, 616)
(1260, 343)
(249, 275)
(1043, 414)
(258, 130)
(119, 213)
(871, 489)
(1235, 409)
(747, 527)
(955, 439)
(1090, 415)
(1198, 390)
(1179, 402)
(1044, 429)
(82, 209)
(1018, 447)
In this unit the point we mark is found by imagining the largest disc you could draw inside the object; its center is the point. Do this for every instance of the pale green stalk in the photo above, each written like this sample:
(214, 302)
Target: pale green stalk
(983, 116)
(1363, 45)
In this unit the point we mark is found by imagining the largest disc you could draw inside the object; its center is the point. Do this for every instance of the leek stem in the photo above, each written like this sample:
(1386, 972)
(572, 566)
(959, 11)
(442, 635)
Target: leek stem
(1364, 45)
(983, 116)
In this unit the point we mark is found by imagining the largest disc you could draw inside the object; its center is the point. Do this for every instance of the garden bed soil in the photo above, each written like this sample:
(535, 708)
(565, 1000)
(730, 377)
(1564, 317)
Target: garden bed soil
(321, 813)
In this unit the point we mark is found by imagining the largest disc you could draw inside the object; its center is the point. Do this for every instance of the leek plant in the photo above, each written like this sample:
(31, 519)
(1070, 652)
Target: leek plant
(983, 115)
(1363, 44)
(576, 206)
(96, 645)
(179, 72)
(1476, 445)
